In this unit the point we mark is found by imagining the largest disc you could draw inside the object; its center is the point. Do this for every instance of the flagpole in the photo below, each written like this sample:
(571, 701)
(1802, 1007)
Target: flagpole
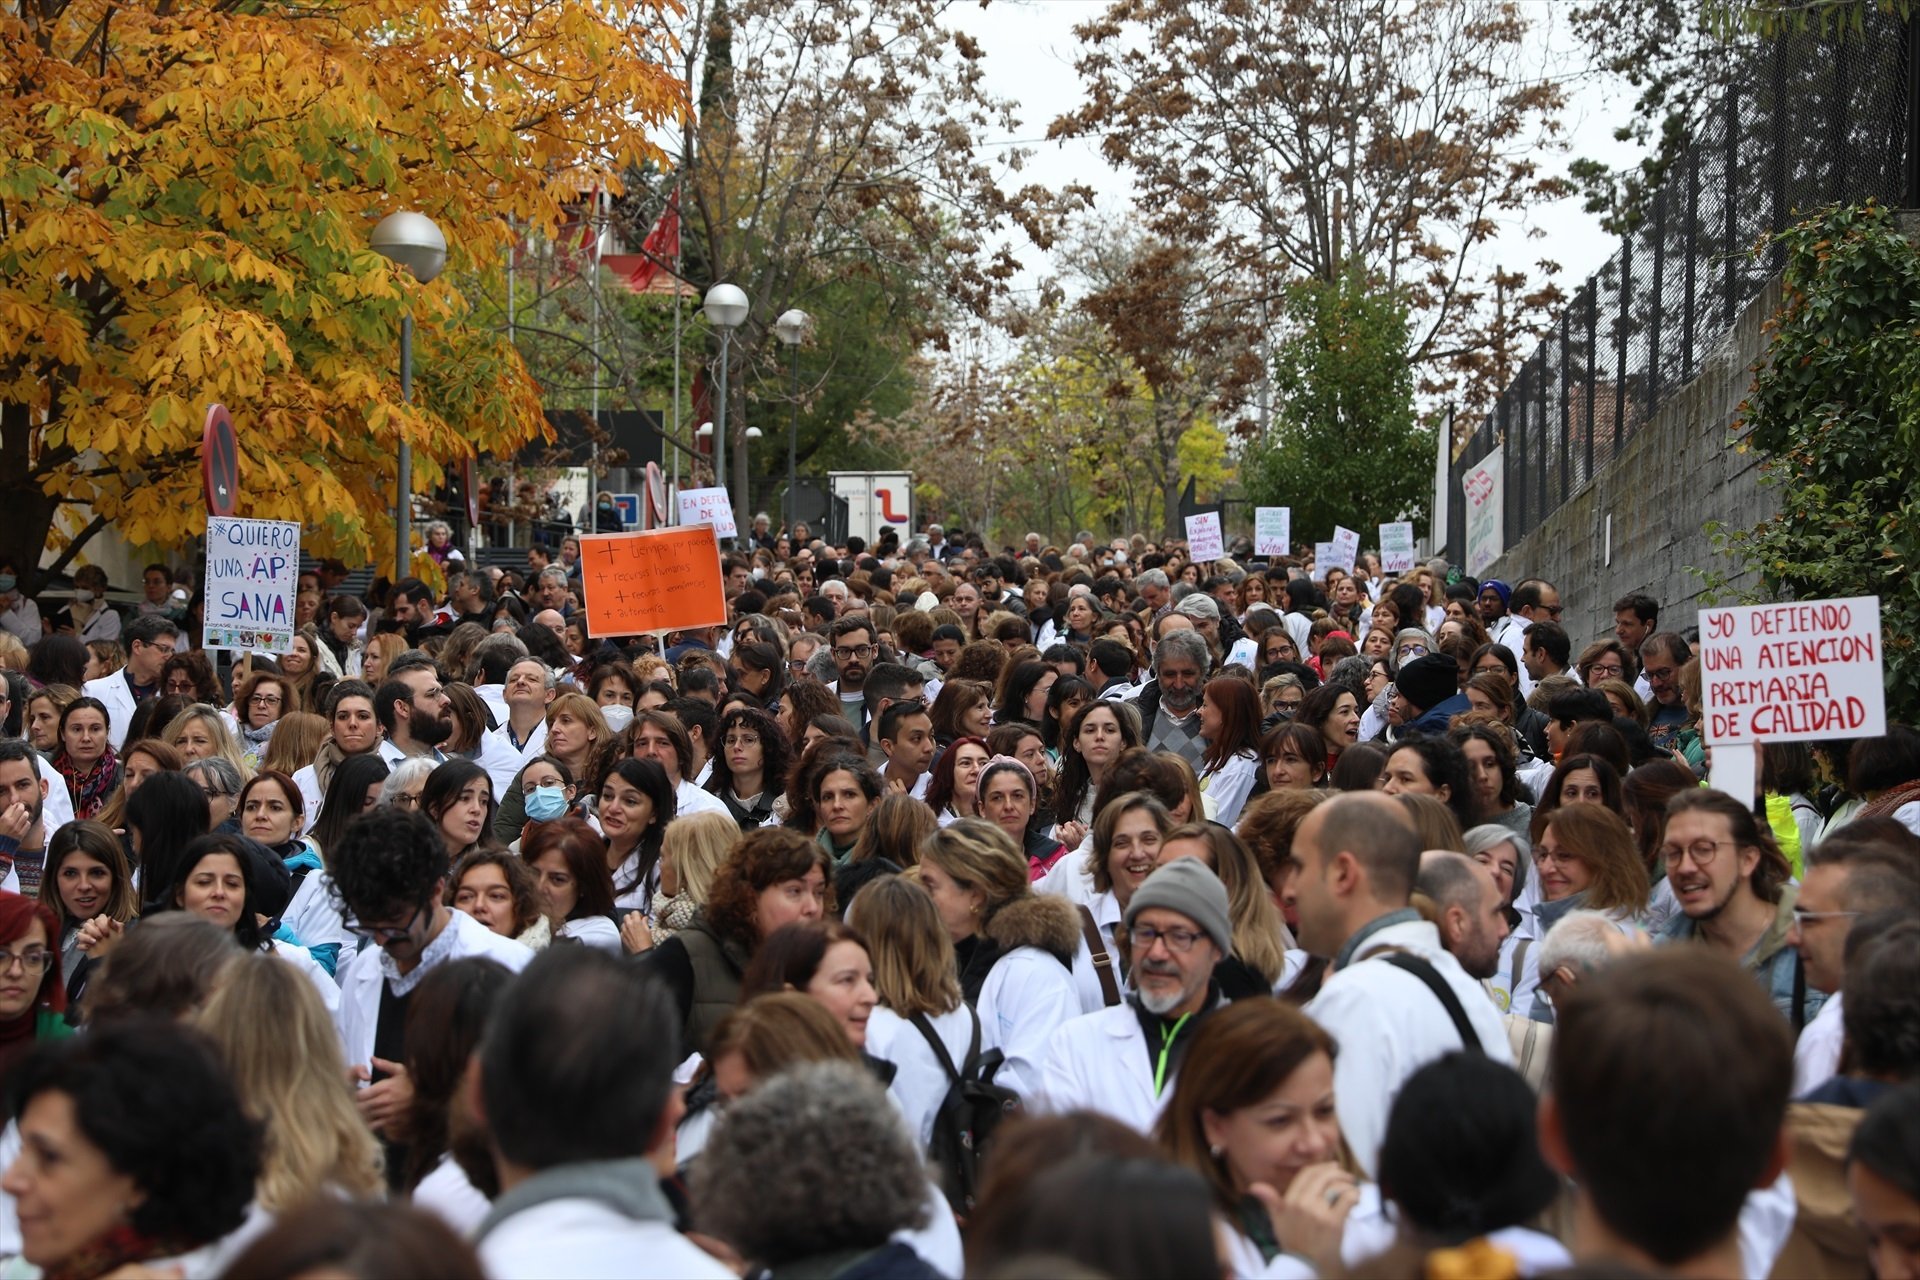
(676, 353)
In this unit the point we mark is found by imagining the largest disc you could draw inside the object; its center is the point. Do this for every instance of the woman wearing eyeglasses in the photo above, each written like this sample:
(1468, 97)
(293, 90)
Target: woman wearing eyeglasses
(261, 700)
(1584, 859)
(33, 996)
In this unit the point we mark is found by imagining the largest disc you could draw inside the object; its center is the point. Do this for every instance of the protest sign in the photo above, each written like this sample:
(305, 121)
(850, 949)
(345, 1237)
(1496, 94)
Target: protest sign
(1203, 537)
(1485, 488)
(660, 580)
(1323, 555)
(708, 506)
(253, 575)
(1792, 672)
(1272, 531)
(1396, 547)
(1346, 548)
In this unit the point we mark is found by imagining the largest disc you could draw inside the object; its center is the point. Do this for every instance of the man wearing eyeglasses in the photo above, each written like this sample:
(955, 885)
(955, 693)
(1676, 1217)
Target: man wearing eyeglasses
(850, 641)
(1121, 1061)
(387, 877)
(1736, 895)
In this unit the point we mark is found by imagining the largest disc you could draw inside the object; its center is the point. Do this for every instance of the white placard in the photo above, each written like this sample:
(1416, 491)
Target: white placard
(708, 506)
(1346, 549)
(253, 575)
(1793, 672)
(1203, 537)
(1273, 531)
(1484, 486)
(1396, 547)
(1323, 553)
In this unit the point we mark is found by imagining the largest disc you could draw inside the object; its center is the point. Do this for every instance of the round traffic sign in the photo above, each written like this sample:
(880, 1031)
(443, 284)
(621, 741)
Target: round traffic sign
(470, 485)
(219, 461)
(656, 497)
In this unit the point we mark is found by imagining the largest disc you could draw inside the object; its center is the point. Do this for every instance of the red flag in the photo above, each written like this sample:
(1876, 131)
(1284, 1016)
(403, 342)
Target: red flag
(657, 253)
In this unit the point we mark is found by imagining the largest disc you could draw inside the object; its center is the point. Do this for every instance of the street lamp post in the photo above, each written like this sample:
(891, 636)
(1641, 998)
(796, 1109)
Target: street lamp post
(725, 307)
(410, 240)
(791, 328)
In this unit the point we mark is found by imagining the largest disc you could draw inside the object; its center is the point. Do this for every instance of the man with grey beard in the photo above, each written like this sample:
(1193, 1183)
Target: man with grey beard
(1169, 705)
(1121, 1061)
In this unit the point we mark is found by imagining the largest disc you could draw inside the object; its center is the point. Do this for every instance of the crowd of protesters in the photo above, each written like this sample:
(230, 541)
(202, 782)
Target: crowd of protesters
(950, 910)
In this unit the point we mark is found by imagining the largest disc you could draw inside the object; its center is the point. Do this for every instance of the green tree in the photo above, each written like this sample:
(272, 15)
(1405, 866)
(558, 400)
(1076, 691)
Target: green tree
(1835, 412)
(1346, 447)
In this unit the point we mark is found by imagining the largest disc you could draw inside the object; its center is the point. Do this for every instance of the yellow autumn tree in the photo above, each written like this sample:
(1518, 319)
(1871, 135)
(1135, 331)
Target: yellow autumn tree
(186, 192)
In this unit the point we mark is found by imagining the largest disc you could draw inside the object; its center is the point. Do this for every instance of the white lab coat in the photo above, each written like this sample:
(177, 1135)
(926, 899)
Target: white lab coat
(689, 799)
(1224, 791)
(1100, 1062)
(307, 779)
(449, 1195)
(593, 931)
(920, 1082)
(1816, 1058)
(587, 1240)
(118, 699)
(362, 977)
(302, 959)
(1388, 1025)
(502, 760)
(1026, 996)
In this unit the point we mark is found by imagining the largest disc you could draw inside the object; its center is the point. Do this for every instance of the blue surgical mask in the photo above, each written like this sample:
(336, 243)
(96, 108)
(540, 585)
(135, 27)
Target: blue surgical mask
(7, 582)
(546, 803)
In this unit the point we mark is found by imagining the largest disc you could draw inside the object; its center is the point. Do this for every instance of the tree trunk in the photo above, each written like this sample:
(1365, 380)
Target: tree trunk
(24, 533)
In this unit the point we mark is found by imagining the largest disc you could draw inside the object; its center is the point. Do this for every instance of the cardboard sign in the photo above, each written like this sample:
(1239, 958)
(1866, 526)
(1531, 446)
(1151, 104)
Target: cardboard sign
(1793, 672)
(1273, 531)
(708, 506)
(1396, 547)
(1203, 537)
(1346, 549)
(253, 574)
(1323, 555)
(1484, 485)
(661, 580)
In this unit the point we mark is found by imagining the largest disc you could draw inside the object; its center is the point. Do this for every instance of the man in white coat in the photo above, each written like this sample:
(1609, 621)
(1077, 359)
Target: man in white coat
(1121, 1061)
(1395, 999)
(579, 1183)
(150, 641)
(389, 876)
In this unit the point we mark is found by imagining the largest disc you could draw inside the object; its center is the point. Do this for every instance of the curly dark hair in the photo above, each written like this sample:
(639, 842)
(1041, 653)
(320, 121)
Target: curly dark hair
(764, 857)
(152, 1096)
(528, 905)
(386, 864)
(812, 1160)
(194, 665)
(776, 753)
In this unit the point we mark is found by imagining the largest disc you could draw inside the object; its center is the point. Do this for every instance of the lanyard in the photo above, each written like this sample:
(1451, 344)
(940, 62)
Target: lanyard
(1167, 1036)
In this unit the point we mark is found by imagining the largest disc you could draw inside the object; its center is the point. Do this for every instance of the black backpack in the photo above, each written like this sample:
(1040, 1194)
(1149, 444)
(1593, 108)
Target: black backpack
(964, 1125)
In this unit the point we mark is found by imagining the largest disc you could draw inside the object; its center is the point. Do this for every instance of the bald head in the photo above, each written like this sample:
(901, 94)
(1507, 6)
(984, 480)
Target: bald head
(552, 620)
(1358, 856)
(1465, 903)
(1450, 879)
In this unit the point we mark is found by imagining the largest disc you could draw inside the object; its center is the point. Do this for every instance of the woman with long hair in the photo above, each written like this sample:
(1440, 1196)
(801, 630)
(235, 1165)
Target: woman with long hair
(1585, 860)
(1023, 693)
(1068, 695)
(953, 792)
(138, 762)
(824, 960)
(202, 731)
(691, 854)
(503, 893)
(1252, 1113)
(920, 1004)
(295, 740)
(226, 879)
(1014, 948)
(1333, 712)
(1579, 778)
(281, 1050)
(1493, 757)
(449, 1170)
(167, 814)
(87, 881)
(962, 709)
(259, 702)
(355, 788)
(86, 761)
(352, 730)
(774, 876)
(577, 734)
(1257, 965)
(1095, 738)
(750, 764)
(845, 789)
(635, 805)
(458, 800)
(1230, 727)
(1293, 758)
(568, 861)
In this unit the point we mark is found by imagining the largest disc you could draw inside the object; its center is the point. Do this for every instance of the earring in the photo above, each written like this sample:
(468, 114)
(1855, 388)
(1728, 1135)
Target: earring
(1214, 1151)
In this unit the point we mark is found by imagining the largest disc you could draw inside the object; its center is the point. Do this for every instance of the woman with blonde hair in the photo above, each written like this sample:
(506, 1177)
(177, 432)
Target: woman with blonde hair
(691, 851)
(284, 1057)
(201, 731)
(40, 725)
(921, 1025)
(141, 761)
(295, 742)
(378, 659)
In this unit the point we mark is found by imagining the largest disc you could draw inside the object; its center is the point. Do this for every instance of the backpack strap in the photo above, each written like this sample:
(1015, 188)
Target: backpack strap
(1519, 969)
(1102, 959)
(1799, 995)
(1407, 962)
(954, 1074)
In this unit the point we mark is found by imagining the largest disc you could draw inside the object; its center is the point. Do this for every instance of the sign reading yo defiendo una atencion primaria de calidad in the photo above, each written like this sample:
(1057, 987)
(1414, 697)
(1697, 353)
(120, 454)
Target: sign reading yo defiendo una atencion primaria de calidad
(1793, 672)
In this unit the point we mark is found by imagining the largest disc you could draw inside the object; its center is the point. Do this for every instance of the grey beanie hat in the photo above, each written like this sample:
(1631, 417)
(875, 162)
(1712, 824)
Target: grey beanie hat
(1188, 886)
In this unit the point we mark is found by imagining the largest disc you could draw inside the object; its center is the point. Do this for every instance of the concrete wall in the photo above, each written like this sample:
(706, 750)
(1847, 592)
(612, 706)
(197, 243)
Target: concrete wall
(1674, 476)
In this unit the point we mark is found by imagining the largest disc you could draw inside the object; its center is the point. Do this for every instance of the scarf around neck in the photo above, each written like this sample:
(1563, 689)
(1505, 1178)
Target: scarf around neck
(91, 789)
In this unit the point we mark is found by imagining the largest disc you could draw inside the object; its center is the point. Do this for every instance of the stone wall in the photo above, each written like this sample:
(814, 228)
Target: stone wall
(1677, 474)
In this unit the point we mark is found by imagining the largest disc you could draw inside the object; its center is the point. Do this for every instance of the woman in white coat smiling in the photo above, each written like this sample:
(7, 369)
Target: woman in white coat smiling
(914, 975)
(1015, 947)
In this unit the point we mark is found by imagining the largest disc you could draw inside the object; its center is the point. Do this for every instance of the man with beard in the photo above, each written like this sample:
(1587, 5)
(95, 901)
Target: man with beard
(851, 646)
(415, 714)
(1467, 909)
(1169, 704)
(1121, 1061)
(1736, 895)
(23, 798)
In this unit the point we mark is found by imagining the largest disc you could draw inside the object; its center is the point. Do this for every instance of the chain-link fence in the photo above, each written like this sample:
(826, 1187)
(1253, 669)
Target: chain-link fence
(1809, 121)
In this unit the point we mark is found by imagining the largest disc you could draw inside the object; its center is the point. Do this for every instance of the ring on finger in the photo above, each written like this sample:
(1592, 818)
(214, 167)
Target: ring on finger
(1333, 1195)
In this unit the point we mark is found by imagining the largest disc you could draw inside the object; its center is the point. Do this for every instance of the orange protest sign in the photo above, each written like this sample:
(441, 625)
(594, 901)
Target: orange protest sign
(661, 580)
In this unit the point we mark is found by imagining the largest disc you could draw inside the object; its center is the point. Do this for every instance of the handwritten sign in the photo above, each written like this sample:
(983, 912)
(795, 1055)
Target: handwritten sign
(1396, 547)
(661, 580)
(708, 506)
(1323, 554)
(1793, 672)
(1346, 549)
(1485, 488)
(1203, 537)
(253, 574)
(1272, 531)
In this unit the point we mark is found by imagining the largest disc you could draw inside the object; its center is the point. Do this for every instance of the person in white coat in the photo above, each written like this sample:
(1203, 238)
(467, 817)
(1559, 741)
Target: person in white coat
(1386, 1002)
(150, 641)
(389, 873)
(1121, 1061)
(576, 1083)
(1015, 947)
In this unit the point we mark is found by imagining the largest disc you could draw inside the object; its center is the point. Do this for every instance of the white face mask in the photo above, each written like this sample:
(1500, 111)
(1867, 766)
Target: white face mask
(617, 717)
(84, 597)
